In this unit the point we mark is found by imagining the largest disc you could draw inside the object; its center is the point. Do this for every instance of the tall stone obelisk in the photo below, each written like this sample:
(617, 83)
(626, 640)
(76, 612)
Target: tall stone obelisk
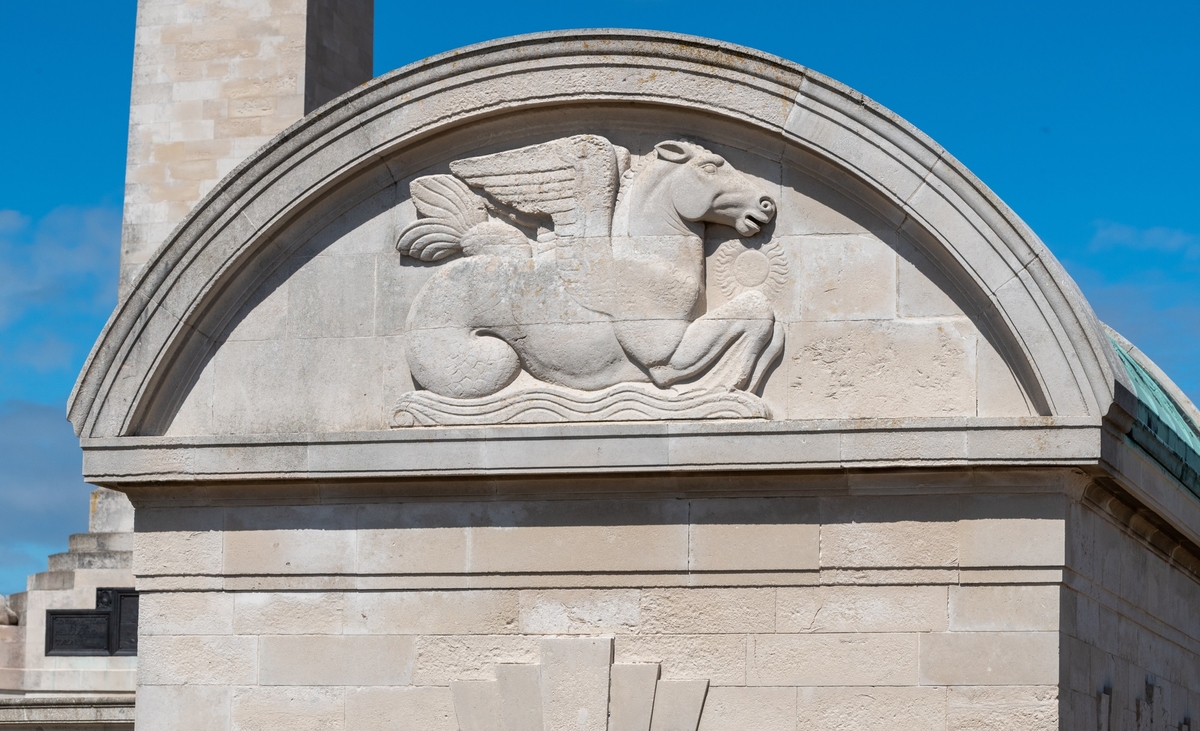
(213, 81)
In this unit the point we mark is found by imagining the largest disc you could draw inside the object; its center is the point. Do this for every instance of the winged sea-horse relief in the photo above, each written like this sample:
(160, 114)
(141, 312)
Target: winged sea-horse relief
(579, 289)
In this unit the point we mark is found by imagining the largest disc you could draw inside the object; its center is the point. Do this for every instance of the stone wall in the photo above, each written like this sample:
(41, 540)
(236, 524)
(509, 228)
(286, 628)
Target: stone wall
(212, 82)
(845, 607)
(1131, 630)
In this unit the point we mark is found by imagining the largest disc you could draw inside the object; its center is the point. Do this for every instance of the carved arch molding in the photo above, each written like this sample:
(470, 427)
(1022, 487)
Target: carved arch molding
(193, 289)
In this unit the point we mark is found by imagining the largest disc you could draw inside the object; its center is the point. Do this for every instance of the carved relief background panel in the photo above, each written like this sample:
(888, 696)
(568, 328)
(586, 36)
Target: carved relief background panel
(837, 314)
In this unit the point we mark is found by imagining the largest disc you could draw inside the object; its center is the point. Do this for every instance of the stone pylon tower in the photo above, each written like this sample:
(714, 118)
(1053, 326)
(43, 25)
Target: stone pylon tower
(215, 79)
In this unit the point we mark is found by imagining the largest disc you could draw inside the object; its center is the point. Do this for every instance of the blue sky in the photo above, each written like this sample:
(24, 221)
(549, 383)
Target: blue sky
(1081, 116)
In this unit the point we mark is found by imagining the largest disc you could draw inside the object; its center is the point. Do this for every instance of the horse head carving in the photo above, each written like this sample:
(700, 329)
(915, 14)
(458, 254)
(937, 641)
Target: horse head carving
(584, 272)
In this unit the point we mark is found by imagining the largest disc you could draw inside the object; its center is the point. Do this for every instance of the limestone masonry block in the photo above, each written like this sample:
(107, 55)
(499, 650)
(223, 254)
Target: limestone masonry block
(720, 658)
(384, 709)
(989, 658)
(580, 611)
(846, 708)
(199, 613)
(861, 609)
(292, 613)
(335, 660)
(298, 708)
(183, 707)
(700, 611)
(426, 612)
(833, 659)
(768, 709)
(1004, 608)
(769, 534)
(198, 660)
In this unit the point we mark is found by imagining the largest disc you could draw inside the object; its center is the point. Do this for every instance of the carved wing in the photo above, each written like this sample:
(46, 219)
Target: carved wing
(573, 181)
(448, 209)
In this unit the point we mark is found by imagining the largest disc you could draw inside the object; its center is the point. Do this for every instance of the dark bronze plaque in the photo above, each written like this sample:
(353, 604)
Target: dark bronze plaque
(127, 623)
(109, 629)
(76, 632)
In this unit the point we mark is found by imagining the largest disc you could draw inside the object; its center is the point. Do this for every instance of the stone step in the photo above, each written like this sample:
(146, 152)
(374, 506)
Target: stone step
(51, 581)
(98, 542)
(71, 560)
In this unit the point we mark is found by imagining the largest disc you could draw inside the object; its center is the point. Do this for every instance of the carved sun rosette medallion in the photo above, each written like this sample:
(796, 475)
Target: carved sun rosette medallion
(577, 687)
(738, 268)
(569, 284)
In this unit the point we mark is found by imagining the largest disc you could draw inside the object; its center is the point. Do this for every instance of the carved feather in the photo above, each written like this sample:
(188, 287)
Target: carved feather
(572, 181)
(448, 209)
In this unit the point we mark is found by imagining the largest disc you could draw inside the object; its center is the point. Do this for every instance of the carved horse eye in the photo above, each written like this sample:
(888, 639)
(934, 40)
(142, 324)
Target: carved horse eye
(709, 168)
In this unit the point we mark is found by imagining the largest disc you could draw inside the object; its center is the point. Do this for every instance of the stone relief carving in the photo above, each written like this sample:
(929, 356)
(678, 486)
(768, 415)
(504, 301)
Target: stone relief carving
(578, 291)
(577, 686)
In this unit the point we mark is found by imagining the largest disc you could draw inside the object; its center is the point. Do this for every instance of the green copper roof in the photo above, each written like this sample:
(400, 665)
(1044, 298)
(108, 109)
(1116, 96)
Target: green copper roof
(1163, 428)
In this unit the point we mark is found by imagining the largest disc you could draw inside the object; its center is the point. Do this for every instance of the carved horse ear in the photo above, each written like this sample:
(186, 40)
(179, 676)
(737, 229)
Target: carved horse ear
(674, 151)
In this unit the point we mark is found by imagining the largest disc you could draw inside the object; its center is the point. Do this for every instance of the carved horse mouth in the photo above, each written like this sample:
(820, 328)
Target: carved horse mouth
(752, 221)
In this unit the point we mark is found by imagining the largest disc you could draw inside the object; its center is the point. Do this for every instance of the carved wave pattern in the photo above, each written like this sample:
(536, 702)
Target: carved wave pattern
(542, 403)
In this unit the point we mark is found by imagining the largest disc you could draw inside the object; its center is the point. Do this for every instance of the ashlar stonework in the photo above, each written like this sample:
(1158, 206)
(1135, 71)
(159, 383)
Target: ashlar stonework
(626, 381)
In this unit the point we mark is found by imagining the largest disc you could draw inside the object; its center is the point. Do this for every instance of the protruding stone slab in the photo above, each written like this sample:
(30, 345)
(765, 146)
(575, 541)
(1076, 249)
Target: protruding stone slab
(477, 705)
(575, 683)
(631, 696)
(520, 688)
(677, 705)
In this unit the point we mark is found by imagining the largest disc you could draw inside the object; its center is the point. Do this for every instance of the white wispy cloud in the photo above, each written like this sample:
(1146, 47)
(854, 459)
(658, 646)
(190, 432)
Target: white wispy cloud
(58, 279)
(41, 488)
(69, 257)
(1145, 283)
(1159, 239)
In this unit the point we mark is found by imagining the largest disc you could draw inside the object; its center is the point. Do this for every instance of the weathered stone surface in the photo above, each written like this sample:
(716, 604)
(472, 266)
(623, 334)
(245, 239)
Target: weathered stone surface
(631, 696)
(882, 369)
(1001, 608)
(335, 660)
(197, 660)
(698, 611)
(451, 612)
(720, 658)
(833, 659)
(580, 611)
(989, 658)
(768, 709)
(292, 613)
(383, 709)
(837, 708)
(299, 708)
(861, 609)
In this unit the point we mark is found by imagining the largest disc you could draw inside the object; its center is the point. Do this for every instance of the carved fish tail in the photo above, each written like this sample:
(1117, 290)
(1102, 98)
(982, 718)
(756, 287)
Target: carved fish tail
(448, 208)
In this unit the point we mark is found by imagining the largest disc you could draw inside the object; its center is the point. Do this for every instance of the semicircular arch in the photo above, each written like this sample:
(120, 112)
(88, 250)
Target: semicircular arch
(198, 279)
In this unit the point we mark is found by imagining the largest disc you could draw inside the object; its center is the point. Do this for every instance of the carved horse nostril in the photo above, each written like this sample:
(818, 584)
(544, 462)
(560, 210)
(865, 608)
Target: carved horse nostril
(766, 204)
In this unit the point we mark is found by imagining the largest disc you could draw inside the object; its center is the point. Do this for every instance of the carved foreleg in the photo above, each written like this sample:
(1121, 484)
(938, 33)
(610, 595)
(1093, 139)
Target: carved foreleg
(727, 343)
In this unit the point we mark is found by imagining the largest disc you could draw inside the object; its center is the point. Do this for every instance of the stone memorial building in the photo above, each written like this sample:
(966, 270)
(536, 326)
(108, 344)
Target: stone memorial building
(612, 381)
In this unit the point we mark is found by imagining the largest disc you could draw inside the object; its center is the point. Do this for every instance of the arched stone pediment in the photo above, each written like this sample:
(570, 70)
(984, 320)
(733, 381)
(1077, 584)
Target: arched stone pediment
(888, 282)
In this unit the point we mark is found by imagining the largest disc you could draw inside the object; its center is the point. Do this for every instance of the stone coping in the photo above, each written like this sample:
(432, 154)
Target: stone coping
(610, 447)
(74, 712)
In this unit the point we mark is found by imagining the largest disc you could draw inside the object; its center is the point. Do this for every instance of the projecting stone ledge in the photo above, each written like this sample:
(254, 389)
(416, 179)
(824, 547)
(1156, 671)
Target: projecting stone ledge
(548, 403)
(85, 713)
